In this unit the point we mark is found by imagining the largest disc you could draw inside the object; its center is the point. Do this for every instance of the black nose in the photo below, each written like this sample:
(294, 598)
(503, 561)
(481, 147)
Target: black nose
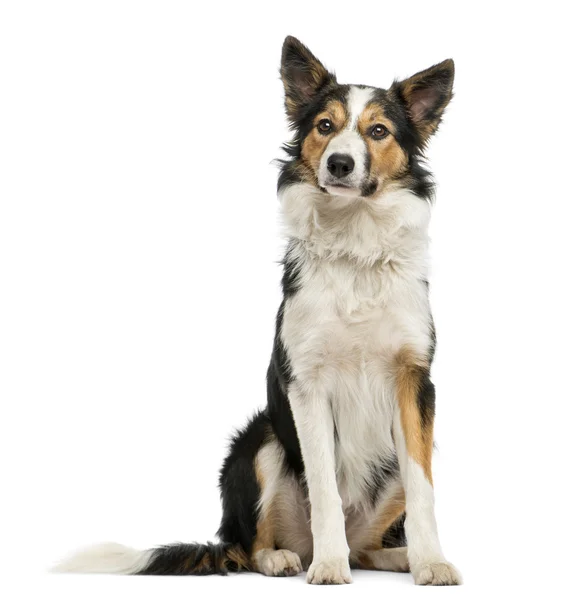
(340, 165)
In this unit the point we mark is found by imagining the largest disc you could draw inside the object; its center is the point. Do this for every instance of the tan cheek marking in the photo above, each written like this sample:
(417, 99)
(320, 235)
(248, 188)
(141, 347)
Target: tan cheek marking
(315, 143)
(313, 148)
(387, 158)
(418, 438)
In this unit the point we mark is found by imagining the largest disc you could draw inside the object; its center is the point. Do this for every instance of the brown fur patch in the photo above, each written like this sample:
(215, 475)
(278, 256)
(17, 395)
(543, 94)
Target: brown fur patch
(238, 558)
(388, 160)
(315, 143)
(386, 559)
(265, 536)
(306, 172)
(410, 369)
(368, 533)
(202, 567)
(363, 560)
(392, 509)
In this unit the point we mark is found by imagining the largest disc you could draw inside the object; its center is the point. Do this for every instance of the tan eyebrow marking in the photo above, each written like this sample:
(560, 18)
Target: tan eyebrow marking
(374, 114)
(335, 111)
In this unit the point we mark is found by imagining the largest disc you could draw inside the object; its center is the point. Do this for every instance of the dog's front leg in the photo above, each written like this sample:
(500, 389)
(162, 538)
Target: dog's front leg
(314, 424)
(413, 434)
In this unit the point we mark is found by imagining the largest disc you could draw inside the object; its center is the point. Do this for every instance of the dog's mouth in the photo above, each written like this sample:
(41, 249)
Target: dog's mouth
(341, 189)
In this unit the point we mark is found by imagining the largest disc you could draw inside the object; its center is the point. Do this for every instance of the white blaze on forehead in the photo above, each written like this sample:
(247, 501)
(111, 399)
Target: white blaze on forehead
(349, 142)
(357, 101)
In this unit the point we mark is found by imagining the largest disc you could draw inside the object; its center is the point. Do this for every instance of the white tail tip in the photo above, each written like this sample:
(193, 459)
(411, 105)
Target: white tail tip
(105, 558)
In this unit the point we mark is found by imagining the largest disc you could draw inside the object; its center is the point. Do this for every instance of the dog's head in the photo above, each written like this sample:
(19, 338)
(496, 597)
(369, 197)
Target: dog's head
(355, 140)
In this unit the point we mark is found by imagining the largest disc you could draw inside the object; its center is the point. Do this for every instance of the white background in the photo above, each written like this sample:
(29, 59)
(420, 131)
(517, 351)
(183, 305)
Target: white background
(138, 246)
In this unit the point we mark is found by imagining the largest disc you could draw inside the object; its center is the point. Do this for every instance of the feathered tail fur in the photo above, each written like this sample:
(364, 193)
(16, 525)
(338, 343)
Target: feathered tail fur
(175, 559)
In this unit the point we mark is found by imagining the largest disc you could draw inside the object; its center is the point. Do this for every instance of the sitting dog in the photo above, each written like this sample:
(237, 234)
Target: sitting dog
(335, 472)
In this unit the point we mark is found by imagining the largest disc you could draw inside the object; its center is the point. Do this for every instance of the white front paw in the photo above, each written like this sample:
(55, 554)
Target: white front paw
(436, 573)
(330, 571)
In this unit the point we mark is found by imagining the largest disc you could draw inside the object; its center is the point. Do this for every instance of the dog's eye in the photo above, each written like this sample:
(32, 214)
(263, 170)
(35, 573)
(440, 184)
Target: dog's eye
(379, 132)
(325, 126)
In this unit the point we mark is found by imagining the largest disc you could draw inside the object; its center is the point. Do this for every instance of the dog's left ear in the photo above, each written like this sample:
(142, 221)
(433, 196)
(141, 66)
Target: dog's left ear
(426, 95)
(303, 76)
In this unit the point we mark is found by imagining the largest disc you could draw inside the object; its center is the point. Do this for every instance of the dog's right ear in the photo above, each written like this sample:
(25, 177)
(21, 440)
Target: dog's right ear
(303, 77)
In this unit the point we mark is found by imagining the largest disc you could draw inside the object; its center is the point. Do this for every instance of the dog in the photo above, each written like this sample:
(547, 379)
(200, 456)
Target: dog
(335, 472)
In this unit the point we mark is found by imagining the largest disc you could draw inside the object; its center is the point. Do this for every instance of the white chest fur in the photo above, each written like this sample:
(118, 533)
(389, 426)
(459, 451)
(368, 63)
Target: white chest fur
(362, 297)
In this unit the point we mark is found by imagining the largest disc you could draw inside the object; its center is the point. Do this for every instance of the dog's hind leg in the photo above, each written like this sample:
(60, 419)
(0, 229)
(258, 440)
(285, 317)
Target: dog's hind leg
(375, 539)
(386, 559)
(277, 563)
(265, 556)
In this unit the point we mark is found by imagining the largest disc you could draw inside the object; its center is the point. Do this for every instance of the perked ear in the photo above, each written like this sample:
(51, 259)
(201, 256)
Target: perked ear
(426, 95)
(303, 76)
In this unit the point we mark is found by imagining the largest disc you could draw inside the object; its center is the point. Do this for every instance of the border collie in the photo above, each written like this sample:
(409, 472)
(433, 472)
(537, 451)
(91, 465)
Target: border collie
(335, 473)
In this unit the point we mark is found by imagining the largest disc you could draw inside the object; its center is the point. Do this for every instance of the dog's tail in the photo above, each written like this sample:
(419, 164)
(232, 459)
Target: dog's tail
(175, 559)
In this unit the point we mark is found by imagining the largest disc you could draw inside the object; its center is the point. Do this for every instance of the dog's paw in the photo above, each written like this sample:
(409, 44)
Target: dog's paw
(278, 563)
(438, 573)
(332, 571)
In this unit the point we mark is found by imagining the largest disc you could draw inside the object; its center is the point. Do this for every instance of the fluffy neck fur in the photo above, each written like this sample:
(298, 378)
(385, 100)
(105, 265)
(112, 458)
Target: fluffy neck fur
(393, 228)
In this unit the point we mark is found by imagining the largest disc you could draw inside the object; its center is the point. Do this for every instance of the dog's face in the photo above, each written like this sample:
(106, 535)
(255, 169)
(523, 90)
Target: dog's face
(355, 140)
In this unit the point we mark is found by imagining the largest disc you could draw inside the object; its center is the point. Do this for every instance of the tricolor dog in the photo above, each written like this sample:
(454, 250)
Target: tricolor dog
(335, 472)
